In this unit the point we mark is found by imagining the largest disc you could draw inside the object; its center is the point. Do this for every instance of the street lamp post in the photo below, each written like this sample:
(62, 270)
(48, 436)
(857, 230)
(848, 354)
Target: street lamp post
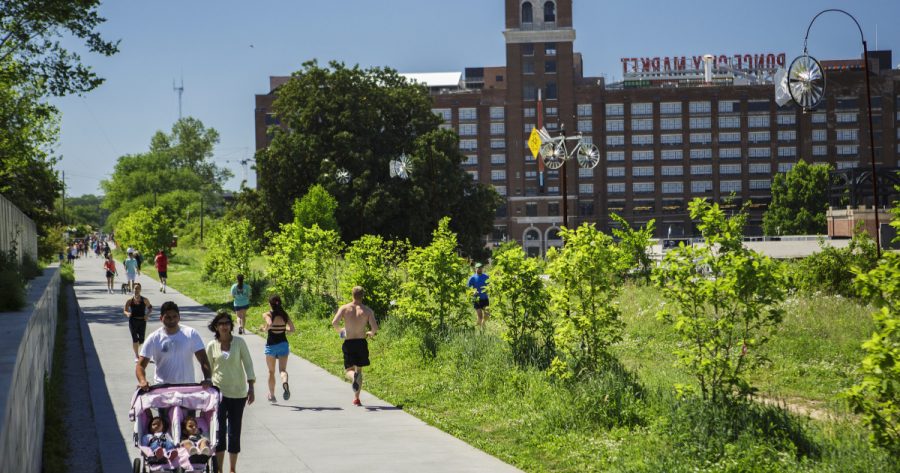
(869, 112)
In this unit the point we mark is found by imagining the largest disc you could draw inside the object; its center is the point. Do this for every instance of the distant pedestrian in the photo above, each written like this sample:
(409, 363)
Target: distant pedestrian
(130, 270)
(232, 373)
(172, 348)
(480, 301)
(140, 260)
(277, 325)
(241, 293)
(356, 316)
(137, 309)
(162, 269)
(110, 266)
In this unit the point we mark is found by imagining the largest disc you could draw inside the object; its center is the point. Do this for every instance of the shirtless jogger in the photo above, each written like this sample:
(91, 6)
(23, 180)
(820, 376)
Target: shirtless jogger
(356, 316)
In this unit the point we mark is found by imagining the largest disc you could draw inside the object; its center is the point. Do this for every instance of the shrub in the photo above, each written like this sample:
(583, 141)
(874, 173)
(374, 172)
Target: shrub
(301, 260)
(722, 299)
(147, 230)
(228, 251)
(832, 270)
(373, 263)
(634, 244)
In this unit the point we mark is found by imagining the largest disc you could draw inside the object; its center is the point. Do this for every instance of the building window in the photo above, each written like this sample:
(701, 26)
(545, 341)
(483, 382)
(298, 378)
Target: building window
(642, 171)
(615, 188)
(584, 110)
(847, 164)
(615, 140)
(731, 137)
(820, 150)
(785, 167)
(529, 92)
(498, 143)
(672, 187)
(787, 119)
(585, 126)
(701, 169)
(585, 209)
(615, 125)
(787, 151)
(530, 174)
(670, 123)
(672, 170)
(468, 114)
(760, 184)
(498, 175)
(641, 140)
(758, 121)
(848, 134)
(615, 155)
(759, 152)
(615, 109)
(588, 140)
(643, 108)
(642, 187)
(759, 136)
(468, 129)
(585, 188)
(498, 113)
(729, 106)
(847, 150)
(643, 155)
(641, 124)
(671, 139)
(819, 135)
(729, 122)
(670, 154)
(468, 145)
(758, 106)
(729, 186)
(531, 211)
(473, 174)
(498, 128)
(550, 67)
(527, 127)
(701, 138)
(445, 113)
(527, 13)
(529, 112)
(787, 135)
(501, 190)
(553, 209)
(699, 107)
(615, 172)
(729, 169)
(701, 186)
(550, 91)
(701, 123)
(729, 153)
(550, 49)
(818, 118)
(669, 108)
(471, 160)
(549, 11)
(585, 173)
(760, 168)
(846, 117)
(702, 153)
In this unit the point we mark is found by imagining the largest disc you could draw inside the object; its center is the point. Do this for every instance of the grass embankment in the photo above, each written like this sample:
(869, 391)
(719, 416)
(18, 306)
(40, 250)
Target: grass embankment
(626, 419)
(56, 440)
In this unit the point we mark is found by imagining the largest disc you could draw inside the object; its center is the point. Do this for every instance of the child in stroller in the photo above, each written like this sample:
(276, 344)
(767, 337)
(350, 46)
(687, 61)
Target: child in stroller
(176, 403)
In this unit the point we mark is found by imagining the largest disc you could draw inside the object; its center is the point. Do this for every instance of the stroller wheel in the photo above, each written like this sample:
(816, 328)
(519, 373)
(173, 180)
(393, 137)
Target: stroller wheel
(138, 465)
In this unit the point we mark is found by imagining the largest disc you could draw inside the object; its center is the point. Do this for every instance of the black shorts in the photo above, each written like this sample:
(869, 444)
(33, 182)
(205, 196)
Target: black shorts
(481, 303)
(162, 274)
(138, 328)
(109, 274)
(356, 352)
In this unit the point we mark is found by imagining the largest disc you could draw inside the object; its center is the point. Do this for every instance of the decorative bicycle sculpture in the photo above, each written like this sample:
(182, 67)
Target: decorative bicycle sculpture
(554, 152)
(806, 82)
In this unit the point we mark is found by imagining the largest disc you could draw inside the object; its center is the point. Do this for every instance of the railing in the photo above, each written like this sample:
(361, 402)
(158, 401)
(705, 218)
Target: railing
(16, 230)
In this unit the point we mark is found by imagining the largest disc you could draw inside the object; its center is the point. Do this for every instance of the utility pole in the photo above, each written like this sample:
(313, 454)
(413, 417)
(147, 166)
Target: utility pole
(201, 218)
(179, 89)
(64, 198)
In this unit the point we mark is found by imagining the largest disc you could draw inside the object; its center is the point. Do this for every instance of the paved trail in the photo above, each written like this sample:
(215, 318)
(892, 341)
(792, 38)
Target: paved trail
(318, 430)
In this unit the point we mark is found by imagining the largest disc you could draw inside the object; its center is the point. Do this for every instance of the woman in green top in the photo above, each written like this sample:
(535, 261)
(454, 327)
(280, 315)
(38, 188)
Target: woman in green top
(232, 373)
(241, 293)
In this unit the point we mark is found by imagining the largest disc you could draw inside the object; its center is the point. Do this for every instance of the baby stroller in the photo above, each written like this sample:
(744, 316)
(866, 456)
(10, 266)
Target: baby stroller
(178, 401)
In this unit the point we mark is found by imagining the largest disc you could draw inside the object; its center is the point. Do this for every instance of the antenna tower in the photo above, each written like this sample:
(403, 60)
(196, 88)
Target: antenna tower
(179, 89)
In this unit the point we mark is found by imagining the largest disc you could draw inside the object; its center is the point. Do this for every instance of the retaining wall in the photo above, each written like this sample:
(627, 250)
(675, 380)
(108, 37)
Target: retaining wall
(16, 230)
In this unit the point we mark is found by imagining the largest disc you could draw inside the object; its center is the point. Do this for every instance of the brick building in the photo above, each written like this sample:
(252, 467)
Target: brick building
(666, 133)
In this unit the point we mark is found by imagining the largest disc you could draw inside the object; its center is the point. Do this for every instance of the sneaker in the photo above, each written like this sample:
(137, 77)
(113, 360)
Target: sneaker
(240, 330)
(357, 377)
(270, 398)
(287, 391)
(356, 402)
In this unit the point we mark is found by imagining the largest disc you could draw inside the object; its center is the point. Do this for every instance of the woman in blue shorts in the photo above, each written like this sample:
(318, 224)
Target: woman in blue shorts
(241, 293)
(277, 325)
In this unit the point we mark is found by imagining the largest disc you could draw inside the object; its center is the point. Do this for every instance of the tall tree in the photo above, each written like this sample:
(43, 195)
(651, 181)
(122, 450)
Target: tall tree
(799, 201)
(30, 34)
(349, 119)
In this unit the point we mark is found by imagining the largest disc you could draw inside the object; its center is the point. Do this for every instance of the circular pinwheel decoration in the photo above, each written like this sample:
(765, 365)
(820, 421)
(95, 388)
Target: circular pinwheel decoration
(806, 82)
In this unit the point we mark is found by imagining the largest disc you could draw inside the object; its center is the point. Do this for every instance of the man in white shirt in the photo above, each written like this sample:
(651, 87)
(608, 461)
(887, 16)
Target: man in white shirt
(171, 348)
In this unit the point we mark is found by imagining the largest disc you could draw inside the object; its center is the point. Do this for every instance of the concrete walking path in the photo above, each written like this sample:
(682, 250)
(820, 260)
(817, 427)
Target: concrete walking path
(317, 430)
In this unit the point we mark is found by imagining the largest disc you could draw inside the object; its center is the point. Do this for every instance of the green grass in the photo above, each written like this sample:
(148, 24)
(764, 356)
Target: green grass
(56, 441)
(624, 419)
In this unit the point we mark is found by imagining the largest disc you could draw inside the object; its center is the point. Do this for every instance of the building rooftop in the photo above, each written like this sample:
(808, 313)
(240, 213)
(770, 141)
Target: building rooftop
(435, 79)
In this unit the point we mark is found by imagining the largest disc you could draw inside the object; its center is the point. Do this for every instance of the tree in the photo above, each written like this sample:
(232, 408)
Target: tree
(347, 118)
(520, 298)
(373, 263)
(229, 251)
(723, 300)
(799, 201)
(85, 209)
(317, 207)
(30, 34)
(585, 277)
(635, 244)
(299, 260)
(147, 230)
(434, 297)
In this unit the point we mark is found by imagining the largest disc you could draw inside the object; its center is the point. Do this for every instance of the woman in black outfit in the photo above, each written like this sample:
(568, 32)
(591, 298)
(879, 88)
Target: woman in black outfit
(137, 309)
(277, 324)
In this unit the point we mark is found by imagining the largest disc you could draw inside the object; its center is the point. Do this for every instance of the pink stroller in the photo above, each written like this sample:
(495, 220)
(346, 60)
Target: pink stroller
(178, 402)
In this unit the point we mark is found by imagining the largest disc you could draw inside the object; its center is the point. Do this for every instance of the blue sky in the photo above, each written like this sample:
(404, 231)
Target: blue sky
(225, 50)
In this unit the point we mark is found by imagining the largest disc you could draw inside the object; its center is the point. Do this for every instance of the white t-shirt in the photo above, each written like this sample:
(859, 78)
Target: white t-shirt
(173, 354)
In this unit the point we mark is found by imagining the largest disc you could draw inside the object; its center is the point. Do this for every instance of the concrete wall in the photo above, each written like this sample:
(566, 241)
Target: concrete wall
(16, 229)
(25, 360)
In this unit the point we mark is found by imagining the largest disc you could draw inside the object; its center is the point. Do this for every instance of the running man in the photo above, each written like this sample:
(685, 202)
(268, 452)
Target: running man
(480, 300)
(130, 270)
(110, 266)
(356, 316)
(137, 309)
(162, 269)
